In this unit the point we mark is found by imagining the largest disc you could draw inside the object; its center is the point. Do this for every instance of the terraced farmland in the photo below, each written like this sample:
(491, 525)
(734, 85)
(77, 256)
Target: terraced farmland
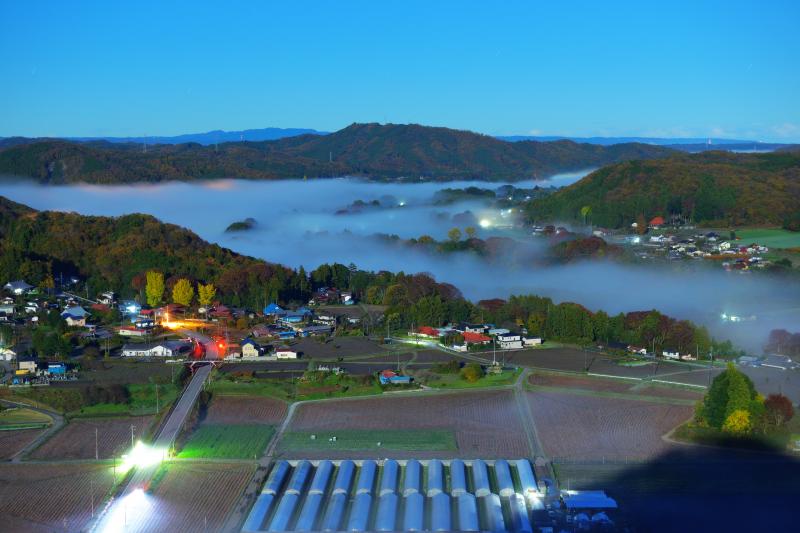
(573, 426)
(245, 410)
(485, 424)
(76, 440)
(46, 498)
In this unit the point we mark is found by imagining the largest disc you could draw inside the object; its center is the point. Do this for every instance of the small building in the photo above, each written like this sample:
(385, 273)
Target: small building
(7, 309)
(425, 331)
(285, 353)
(637, 350)
(306, 331)
(7, 354)
(132, 331)
(583, 500)
(509, 341)
(107, 298)
(475, 338)
(18, 287)
(28, 365)
(667, 354)
(273, 309)
(532, 341)
(157, 349)
(56, 368)
(657, 222)
(251, 349)
(472, 328)
(390, 377)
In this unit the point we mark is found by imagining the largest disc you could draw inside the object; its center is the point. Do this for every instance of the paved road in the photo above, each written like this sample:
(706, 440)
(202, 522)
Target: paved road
(165, 438)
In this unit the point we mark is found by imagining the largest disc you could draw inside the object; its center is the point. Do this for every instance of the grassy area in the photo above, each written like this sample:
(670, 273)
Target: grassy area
(294, 390)
(357, 440)
(23, 418)
(455, 381)
(771, 238)
(142, 402)
(227, 441)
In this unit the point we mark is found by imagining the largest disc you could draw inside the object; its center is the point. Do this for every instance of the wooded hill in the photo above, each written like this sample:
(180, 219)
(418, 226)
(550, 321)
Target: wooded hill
(711, 188)
(369, 150)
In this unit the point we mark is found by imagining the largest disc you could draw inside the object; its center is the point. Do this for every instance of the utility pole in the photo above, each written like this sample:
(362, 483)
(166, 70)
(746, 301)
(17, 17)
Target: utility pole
(133, 428)
(91, 490)
(96, 453)
(157, 409)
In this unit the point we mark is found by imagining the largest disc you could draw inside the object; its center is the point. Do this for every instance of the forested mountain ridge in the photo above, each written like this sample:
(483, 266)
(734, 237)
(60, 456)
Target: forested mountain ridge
(368, 150)
(712, 188)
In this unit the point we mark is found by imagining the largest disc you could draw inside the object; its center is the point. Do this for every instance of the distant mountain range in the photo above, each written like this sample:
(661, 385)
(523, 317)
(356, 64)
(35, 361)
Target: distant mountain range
(714, 188)
(370, 150)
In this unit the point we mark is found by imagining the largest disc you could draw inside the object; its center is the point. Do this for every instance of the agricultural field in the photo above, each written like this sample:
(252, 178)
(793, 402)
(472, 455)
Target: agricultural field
(23, 418)
(189, 497)
(338, 347)
(771, 238)
(589, 427)
(332, 386)
(455, 381)
(244, 410)
(485, 423)
(50, 498)
(389, 440)
(564, 359)
(76, 440)
(227, 441)
(611, 386)
(13, 441)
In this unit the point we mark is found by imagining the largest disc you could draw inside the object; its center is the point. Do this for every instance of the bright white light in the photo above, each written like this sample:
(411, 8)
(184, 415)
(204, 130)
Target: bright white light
(402, 204)
(724, 316)
(132, 309)
(485, 223)
(127, 513)
(142, 456)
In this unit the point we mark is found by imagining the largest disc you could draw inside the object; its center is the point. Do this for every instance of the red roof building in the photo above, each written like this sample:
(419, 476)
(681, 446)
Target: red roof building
(657, 221)
(475, 338)
(428, 331)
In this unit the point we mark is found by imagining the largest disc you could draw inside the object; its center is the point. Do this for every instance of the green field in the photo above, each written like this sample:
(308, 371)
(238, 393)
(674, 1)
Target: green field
(357, 440)
(455, 381)
(292, 390)
(771, 238)
(23, 418)
(227, 441)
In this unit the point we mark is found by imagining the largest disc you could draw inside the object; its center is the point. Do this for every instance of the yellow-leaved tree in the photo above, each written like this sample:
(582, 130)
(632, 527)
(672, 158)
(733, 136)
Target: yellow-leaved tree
(154, 288)
(738, 422)
(183, 292)
(206, 293)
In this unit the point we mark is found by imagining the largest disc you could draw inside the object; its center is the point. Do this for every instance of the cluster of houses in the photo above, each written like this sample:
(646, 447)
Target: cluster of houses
(474, 335)
(331, 296)
(700, 246)
(674, 355)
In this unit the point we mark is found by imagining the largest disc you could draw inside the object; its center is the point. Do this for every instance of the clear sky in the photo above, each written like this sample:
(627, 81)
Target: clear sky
(724, 69)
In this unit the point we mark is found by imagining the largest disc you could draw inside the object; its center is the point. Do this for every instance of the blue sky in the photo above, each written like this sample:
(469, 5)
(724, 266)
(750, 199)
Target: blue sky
(724, 69)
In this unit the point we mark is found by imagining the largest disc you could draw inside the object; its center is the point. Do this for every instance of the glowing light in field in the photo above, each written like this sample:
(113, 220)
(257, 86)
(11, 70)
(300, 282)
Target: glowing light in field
(142, 456)
(485, 223)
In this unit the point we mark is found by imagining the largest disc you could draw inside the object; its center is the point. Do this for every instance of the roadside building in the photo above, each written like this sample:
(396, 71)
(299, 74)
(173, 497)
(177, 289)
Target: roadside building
(509, 341)
(285, 352)
(390, 377)
(157, 349)
(251, 349)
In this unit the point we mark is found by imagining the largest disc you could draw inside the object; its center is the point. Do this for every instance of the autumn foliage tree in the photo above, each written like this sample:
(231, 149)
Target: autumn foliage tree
(778, 411)
(183, 292)
(154, 288)
(206, 293)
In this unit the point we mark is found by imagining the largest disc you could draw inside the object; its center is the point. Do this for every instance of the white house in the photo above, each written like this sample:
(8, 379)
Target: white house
(156, 349)
(532, 341)
(670, 355)
(509, 341)
(131, 331)
(7, 354)
(285, 353)
(107, 298)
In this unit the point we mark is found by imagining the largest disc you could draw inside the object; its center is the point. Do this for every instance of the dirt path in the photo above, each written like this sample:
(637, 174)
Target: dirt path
(58, 423)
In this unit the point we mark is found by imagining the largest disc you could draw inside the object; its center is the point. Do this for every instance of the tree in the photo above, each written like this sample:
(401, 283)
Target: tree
(206, 293)
(454, 235)
(470, 231)
(737, 423)
(472, 372)
(183, 292)
(641, 224)
(585, 212)
(778, 410)
(154, 289)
